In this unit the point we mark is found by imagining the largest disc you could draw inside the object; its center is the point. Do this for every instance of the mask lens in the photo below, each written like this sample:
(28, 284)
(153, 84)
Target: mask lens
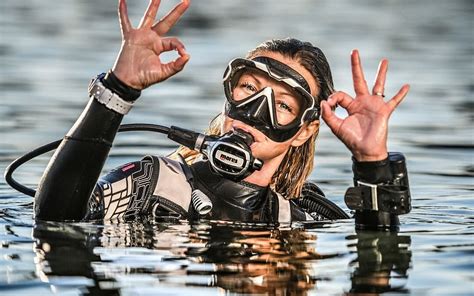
(286, 104)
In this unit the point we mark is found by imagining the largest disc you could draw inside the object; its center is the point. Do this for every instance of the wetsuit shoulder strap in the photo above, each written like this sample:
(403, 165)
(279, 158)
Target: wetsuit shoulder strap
(284, 209)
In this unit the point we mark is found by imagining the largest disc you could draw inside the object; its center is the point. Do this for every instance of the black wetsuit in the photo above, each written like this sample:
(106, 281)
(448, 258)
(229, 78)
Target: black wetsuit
(66, 191)
(157, 187)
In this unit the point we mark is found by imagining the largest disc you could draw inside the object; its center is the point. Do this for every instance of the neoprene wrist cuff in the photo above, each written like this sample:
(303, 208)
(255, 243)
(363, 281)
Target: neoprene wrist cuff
(124, 91)
(374, 172)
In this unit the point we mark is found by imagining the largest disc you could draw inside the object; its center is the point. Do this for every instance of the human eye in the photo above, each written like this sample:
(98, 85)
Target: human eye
(248, 87)
(284, 107)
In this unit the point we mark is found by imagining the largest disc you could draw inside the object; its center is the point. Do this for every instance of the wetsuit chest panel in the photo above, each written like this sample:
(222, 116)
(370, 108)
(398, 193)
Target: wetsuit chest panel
(239, 201)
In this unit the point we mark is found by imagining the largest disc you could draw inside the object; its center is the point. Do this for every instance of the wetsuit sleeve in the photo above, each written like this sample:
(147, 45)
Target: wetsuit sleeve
(72, 172)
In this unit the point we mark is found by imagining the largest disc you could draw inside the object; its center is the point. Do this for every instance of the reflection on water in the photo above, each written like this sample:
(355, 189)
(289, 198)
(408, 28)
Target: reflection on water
(240, 259)
(382, 263)
(50, 49)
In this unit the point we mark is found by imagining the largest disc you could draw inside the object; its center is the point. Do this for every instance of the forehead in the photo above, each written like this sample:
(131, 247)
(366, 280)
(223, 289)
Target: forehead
(295, 65)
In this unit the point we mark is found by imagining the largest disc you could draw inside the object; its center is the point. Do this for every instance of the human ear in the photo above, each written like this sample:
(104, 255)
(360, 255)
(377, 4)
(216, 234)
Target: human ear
(306, 132)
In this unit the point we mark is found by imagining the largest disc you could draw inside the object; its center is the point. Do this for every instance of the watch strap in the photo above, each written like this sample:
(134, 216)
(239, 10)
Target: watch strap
(108, 98)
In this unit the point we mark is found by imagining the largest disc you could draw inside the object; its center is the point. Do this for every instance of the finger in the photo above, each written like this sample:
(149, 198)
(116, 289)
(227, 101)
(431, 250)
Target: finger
(150, 14)
(340, 98)
(178, 64)
(398, 98)
(168, 21)
(125, 24)
(379, 85)
(330, 117)
(360, 85)
(172, 43)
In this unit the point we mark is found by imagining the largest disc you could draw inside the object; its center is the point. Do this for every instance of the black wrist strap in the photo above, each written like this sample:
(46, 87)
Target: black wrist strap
(124, 91)
(392, 199)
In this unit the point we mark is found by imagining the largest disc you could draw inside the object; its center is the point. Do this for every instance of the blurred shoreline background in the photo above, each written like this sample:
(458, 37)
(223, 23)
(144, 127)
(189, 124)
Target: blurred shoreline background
(49, 50)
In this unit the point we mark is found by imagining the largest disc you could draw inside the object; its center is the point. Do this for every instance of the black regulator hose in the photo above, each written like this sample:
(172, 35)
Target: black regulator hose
(313, 200)
(23, 159)
(53, 145)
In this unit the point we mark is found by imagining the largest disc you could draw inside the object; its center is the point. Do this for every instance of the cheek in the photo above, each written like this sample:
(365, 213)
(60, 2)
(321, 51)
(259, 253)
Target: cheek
(226, 124)
(238, 94)
(269, 149)
(285, 117)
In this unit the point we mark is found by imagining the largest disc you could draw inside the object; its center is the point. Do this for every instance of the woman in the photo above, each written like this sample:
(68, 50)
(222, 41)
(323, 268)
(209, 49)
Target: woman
(274, 100)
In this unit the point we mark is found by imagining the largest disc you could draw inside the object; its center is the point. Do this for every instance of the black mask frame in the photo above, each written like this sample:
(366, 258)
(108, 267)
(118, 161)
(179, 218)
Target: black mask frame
(258, 109)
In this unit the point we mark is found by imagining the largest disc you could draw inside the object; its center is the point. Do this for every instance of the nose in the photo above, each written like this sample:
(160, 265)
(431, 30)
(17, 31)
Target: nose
(257, 110)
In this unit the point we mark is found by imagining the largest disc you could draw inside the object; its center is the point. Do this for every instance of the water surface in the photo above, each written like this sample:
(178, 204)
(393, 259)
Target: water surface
(50, 49)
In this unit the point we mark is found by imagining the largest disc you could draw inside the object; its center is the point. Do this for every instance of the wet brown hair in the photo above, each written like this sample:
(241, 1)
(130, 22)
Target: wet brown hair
(298, 162)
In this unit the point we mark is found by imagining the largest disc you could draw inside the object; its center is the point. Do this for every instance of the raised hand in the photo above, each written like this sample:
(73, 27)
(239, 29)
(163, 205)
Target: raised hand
(138, 63)
(364, 130)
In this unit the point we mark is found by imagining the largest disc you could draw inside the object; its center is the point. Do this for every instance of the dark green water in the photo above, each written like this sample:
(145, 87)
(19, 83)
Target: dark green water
(50, 49)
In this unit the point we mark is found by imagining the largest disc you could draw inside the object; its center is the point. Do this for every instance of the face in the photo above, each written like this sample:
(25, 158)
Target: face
(287, 105)
(286, 100)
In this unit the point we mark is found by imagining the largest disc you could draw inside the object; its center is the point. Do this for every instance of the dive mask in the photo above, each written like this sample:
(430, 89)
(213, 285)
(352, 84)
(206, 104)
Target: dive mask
(259, 109)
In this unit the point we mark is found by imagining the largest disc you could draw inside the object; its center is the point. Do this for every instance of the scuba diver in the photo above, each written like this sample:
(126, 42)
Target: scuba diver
(254, 161)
